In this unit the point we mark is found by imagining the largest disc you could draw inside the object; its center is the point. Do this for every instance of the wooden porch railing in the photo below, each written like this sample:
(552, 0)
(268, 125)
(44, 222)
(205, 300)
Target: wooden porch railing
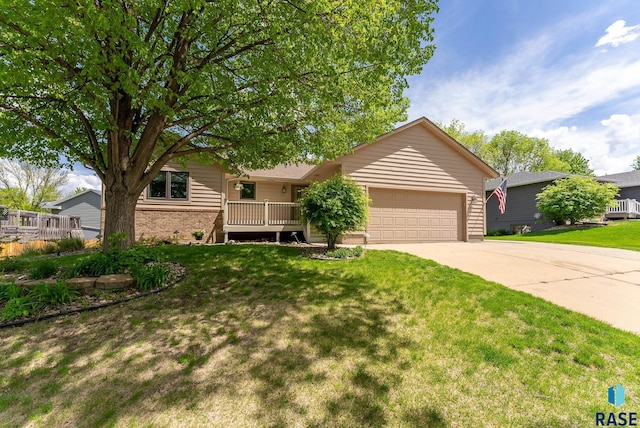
(33, 226)
(241, 213)
(627, 208)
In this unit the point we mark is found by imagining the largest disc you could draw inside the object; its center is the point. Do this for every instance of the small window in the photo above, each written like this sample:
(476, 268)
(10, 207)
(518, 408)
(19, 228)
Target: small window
(170, 185)
(248, 190)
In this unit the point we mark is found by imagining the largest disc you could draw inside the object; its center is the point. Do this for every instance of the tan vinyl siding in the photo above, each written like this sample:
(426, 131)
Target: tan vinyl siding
(206, 183)
(271, 190)
(417, 159)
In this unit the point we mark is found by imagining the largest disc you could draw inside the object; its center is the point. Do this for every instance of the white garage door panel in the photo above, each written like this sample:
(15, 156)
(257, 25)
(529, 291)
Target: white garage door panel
(412, 216)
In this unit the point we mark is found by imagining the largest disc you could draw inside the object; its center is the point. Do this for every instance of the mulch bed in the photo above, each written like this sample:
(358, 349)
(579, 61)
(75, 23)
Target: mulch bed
(176, 273)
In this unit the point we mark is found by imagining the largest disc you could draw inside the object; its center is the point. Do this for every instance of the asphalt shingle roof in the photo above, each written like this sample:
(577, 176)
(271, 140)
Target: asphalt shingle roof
(624, 179)
(524, 178)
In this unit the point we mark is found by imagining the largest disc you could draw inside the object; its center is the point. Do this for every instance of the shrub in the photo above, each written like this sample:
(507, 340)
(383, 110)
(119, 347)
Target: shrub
(48, 248)
(43, 269)
(10, 290)
(575, 199)
(341, 253)
(66, 245)
(110, 262)
(17, 307)
(335, 206)
(358, 251)
(12, 264)
(151, 276)
(43, 294)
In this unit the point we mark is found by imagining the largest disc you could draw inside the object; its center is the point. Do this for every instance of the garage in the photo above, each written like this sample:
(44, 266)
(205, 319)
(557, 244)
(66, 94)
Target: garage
(414, 216)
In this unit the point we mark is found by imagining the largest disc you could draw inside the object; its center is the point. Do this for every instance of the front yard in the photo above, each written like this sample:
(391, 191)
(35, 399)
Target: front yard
(259, 336)
(618, 234)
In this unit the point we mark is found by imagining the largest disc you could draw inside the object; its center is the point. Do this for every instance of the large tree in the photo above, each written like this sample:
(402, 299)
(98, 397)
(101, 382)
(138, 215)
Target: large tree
(636, 163)
(575, 162)
(475, 141)
(125, 86)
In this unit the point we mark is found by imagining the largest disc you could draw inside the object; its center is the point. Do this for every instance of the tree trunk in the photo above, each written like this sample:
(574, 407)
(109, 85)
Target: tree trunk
(120, 220)
(331, 241)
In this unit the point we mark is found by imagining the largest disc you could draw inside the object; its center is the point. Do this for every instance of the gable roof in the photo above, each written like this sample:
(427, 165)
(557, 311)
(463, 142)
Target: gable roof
(624, 179)
(57, 204)
(434, 129)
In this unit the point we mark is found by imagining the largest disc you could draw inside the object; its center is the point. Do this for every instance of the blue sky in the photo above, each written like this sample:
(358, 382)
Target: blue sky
(564, 70)
(567, 71)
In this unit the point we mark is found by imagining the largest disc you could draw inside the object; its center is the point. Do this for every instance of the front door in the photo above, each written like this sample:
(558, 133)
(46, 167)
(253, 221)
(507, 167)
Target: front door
(296, 192)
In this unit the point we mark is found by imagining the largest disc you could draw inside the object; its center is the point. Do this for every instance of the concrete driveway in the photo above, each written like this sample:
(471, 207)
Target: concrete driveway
(603, 283)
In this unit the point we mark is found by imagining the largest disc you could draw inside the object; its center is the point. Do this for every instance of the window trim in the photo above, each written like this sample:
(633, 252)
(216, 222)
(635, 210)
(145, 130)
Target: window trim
(168, 198)
(255, 191)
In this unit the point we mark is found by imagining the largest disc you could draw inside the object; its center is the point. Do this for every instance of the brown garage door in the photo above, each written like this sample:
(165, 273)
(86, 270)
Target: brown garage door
(413, 216)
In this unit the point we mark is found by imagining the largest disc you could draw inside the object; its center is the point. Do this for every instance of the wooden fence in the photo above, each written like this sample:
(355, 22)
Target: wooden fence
(27, 226)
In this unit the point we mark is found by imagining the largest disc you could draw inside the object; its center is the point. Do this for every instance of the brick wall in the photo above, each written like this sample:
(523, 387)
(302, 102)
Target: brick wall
(163, 223)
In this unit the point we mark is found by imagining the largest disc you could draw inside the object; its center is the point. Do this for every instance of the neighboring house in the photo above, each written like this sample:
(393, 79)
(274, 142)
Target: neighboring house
(85, 205)
(423, 185)
(629, 199)
(521, 212)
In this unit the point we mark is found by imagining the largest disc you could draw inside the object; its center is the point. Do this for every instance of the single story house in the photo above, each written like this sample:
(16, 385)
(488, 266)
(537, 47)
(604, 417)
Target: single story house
(85, 205)
(521, 213)
(629, 199)
(423, 185)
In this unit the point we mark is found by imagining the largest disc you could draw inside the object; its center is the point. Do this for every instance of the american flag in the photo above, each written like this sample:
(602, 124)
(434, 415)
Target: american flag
(501, 194)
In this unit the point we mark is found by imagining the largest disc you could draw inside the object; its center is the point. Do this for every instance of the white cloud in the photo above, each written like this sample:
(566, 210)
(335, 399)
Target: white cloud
(611, 145)
(539, 88)
(80, 180)
(618, 33)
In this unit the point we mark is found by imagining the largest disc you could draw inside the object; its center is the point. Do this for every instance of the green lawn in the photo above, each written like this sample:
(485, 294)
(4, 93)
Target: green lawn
(620, 234)
(259, 336)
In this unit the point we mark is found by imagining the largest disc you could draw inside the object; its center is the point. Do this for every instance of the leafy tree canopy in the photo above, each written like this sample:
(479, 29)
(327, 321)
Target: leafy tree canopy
(636, 163)
(335, 206)
(474, 141)
(575, 199)
(511, 151)
(125, 86)
(575, 162)
(24, 186)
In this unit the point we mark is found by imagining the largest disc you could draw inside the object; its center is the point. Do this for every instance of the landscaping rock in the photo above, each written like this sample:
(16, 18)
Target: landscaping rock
(85, 286)
(120, 281)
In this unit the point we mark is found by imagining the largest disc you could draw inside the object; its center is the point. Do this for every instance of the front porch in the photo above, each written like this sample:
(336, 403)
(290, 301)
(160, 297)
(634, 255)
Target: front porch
(275, 217)
(623, 209)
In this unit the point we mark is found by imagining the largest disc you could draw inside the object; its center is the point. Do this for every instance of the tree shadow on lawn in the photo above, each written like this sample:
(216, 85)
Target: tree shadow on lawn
(253, 336)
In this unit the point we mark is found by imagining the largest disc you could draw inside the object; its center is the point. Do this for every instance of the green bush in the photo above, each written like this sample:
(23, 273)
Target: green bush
(43, 269)
(358, 251)
(48, 248)
(149, 277)
(12, 264)
(66, 245)
(43, 294)
(110, 262)
(10, 290)
(17, 307)
(575, 199)
(341, 253)
(335, 206)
